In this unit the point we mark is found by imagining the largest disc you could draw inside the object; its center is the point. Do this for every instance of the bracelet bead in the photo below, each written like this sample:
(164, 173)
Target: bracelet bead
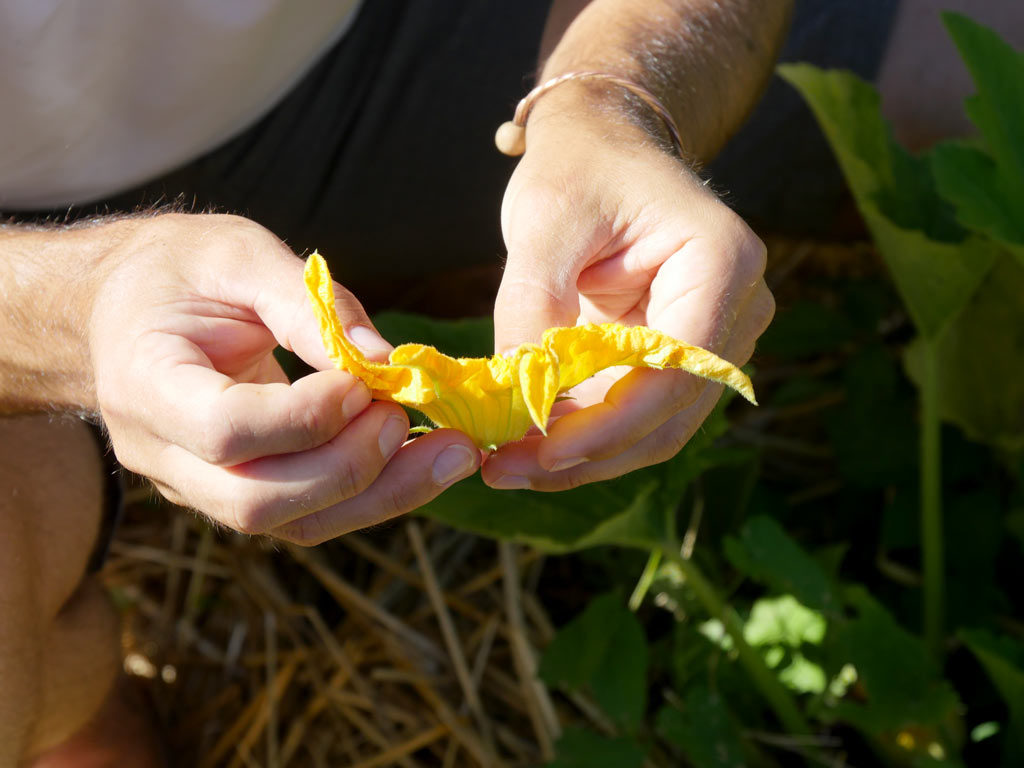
(510, 138)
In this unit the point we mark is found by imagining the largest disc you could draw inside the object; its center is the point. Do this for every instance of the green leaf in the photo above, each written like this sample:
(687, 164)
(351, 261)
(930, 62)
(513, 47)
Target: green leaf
(620, 511)
(1015, 525)
(579, 748)
(873, 434)
(780, 626)
(986, 185)
(979, 362)
(783, 621)
(705, 732)
(902, 687)
(1003, 660)
(635, 510)
(604, 650)
(766, 553)
(972, 181)
(935, 270)
(472, 337)
(804, 329)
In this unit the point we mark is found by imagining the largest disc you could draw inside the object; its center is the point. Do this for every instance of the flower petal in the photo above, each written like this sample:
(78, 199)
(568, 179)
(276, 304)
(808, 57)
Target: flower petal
(538, 380)
(343, 353)
(585, 350)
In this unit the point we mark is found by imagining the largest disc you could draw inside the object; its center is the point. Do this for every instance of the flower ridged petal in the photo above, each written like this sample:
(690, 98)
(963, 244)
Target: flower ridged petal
(584, 350)
(496, 400)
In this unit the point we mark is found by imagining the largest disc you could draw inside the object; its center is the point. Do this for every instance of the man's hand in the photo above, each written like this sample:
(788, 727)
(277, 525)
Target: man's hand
(602, 225)
(182, 330)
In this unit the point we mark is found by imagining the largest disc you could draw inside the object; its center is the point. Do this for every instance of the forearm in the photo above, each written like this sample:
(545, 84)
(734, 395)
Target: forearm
(706, 60)
(47, 280)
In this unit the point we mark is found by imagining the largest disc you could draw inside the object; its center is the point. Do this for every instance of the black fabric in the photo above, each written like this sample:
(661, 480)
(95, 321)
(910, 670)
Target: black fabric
(383, 156)
(113, 501)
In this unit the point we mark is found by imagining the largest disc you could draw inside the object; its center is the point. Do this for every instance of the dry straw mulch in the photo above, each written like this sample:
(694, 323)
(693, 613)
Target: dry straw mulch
(409, 645)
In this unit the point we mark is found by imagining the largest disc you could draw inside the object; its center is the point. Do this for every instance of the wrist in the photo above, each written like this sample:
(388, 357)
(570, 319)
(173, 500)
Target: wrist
(596, 110)
(49, 279)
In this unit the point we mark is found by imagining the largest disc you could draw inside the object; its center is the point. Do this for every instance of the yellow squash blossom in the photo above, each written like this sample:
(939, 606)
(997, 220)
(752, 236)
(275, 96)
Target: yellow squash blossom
(495, 400)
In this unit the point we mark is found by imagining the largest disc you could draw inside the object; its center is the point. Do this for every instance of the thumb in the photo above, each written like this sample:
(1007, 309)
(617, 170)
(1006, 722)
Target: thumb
(534, 295)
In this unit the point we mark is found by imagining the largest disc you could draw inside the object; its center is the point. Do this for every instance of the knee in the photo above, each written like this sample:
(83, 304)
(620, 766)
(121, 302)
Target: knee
(51, 508)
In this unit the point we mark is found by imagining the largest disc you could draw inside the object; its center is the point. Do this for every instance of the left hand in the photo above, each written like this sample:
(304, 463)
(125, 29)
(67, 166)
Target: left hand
(602, 226)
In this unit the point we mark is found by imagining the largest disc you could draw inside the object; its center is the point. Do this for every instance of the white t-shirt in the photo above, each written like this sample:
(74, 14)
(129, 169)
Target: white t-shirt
(97, 96)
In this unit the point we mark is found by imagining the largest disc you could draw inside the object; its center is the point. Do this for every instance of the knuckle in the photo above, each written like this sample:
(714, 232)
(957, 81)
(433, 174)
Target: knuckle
(349, 479)
(746, 352)
(398, 499)
(312, 426)
(685, 388)
(752, 253)
(765, 310)
(307, 531)
(575, 478)
(539, 200)
(249, 514)
(665, 446)
(217, 445)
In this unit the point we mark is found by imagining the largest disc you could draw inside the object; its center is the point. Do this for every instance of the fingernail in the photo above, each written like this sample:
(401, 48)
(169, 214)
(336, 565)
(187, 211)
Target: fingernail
(452, 463)
(391, 436)
(561, 464)
(368, 340)
(356, 399)
(511, 483)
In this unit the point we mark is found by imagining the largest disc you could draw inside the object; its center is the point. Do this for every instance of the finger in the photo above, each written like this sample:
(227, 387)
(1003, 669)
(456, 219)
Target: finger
(551, 237)
(634, 406)
(700, 291)
(266, 277)
(637, 404)
(520, 469)
(223, 422)
(265, 493)
(529, 302)
(418, 473)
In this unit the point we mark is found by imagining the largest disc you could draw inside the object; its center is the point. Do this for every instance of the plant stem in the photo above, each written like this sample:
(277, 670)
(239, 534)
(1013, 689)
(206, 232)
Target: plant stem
(778, 698)
(931, 503)
(646, 579)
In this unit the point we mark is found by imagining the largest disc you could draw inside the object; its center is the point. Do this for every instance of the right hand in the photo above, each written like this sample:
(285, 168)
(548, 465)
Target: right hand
(183, 326)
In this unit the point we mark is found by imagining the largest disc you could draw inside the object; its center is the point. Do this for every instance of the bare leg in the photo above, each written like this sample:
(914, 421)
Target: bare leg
(59, 652)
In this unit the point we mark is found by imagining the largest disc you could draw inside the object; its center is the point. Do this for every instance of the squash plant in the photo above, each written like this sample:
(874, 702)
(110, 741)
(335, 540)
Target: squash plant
(950, 227)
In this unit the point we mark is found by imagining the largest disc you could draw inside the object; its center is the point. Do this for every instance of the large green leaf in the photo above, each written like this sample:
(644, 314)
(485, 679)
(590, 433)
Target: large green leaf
(636, 510)
(1003, 660)
(873, 434)
(936, 269)
(902, 687)
(704, 732)
(980, 371)
(603, 650)
(471, 337)
(579, 748)
(986, 183)
(766, 553)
